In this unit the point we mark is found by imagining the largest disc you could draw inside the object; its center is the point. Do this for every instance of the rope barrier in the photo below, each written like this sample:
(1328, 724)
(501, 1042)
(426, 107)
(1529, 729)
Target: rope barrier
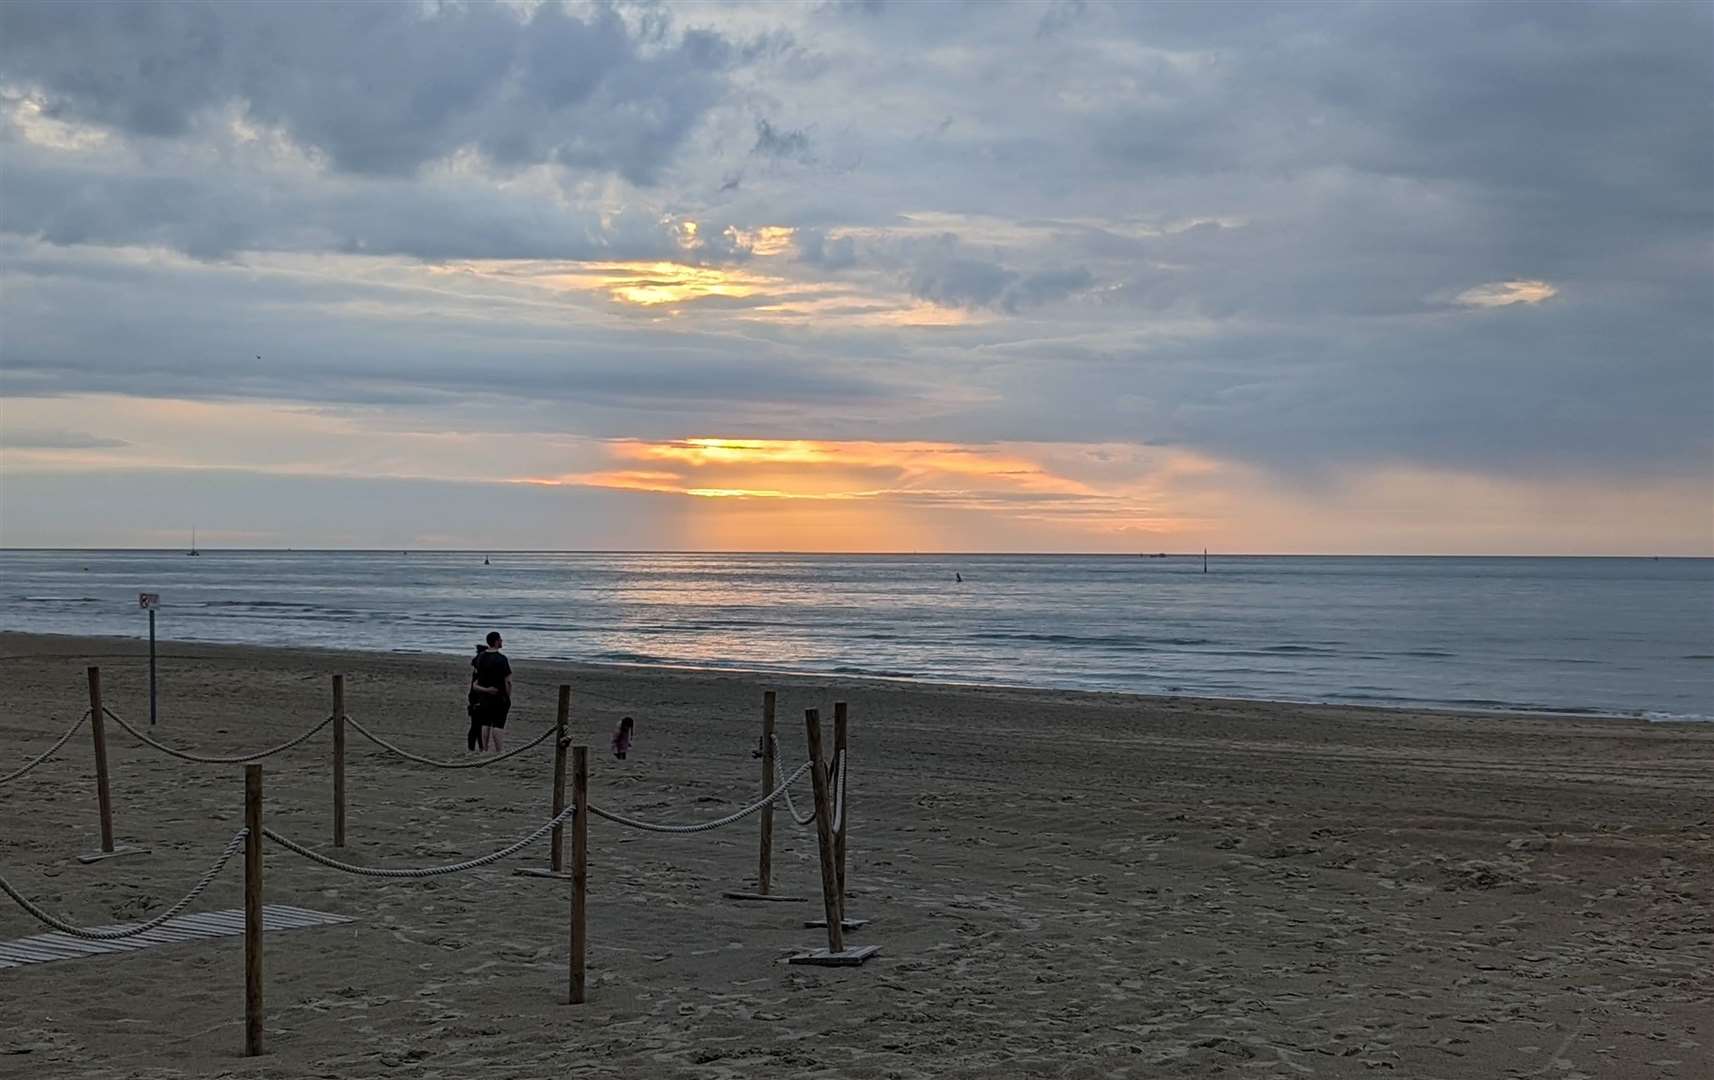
(839, 794)
(474, 763)
(48, 753)
(206, 759)
(425, 871)
(703, 826)
(92, 934)
(791, 807)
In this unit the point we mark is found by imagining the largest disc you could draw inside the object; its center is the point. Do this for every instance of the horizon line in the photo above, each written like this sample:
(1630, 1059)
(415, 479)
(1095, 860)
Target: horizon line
(1211, 554)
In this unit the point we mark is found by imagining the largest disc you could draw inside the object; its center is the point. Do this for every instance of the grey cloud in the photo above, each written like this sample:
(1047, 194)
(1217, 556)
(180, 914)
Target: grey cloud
(215, 216)
(781, 144)
(26, 438)
(943, 274)
(815, 248)
(1353, 166)
(205, 333)
(379, 88)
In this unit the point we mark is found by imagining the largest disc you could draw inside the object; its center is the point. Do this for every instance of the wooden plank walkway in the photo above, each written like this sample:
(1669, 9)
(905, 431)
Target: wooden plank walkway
(45, 948)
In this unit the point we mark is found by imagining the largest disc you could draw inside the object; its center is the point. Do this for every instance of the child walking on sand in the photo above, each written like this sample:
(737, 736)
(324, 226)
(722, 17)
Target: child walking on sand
(622, 738)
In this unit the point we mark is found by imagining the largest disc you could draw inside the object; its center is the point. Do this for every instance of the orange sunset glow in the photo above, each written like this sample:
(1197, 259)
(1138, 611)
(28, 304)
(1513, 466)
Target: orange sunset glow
(880, 484)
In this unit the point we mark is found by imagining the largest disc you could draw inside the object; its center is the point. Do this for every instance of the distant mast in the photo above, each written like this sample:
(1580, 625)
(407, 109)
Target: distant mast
(193, 550)
(1205, 560)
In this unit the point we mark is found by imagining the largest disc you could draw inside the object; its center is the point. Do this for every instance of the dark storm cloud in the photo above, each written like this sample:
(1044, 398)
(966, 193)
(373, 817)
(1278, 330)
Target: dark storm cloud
(379, 88)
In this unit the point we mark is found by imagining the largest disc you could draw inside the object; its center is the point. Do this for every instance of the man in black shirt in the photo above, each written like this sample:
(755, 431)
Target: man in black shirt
(490, 693)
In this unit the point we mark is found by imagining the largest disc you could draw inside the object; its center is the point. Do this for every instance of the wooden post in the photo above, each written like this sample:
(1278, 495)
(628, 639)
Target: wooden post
(339, 761)
(765, 864)
(556, 858)
(98, 730)
(579, 868)
(840, 800)
(252, 910)
(824, 833)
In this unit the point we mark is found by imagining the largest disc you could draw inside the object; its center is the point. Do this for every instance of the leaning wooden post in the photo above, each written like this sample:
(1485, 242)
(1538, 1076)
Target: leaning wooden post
(765, 864)
(98, 730)
(824, 833)
(252, 910)
(579, 868)
(556, 858)
(339, 761)
(842, 804)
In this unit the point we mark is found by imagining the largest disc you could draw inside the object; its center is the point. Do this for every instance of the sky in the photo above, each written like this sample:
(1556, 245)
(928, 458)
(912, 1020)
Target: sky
(1297, 278)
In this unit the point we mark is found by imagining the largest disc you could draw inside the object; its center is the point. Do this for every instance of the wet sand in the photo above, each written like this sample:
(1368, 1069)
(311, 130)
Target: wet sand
(1066, 885)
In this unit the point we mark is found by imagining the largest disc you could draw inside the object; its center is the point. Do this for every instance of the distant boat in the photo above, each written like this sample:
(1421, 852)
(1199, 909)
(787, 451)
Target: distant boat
(193, 550)
(485, 561)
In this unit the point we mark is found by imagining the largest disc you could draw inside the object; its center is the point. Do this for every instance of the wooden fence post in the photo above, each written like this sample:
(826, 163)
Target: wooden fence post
(842, 801)
(252, 910)
(339, 761)
(98, 730)
(579, 869)
(556, 858)
(824, 833)
(765, 864)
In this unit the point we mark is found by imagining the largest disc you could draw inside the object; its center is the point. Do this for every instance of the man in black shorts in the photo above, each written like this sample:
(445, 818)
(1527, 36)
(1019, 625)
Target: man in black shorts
(490, 693)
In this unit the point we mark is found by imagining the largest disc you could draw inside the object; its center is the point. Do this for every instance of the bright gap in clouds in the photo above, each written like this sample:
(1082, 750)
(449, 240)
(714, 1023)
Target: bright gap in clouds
(1505, 293)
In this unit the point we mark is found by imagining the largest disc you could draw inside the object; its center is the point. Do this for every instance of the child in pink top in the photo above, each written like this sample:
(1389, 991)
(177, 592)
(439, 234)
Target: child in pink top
(622, 738)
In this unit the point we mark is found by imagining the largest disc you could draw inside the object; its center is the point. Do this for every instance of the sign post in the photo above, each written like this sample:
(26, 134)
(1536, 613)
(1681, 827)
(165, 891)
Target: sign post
(149, 602)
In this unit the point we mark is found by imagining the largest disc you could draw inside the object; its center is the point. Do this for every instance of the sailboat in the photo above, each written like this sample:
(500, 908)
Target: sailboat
(193, 550)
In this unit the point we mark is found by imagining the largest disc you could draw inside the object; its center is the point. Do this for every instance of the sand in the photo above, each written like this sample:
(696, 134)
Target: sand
(1067, 885)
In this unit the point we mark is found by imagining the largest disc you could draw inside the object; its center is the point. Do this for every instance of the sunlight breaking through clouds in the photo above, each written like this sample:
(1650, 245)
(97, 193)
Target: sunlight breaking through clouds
(1505, 293)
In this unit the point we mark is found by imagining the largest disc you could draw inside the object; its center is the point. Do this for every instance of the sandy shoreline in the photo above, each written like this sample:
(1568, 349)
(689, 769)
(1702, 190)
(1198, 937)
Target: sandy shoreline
(1063, 883)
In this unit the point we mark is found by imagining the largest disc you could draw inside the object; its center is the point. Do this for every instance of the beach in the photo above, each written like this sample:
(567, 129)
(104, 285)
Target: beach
(1061, 884)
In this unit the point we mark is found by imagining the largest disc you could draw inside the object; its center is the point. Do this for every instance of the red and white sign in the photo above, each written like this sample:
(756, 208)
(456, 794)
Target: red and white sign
(148, 601)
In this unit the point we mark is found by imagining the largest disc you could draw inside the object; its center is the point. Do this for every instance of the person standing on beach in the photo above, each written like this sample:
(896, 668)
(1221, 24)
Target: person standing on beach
(491, 693)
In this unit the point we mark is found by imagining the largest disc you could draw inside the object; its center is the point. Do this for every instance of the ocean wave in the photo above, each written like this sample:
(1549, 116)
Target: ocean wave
(1132, 640)
(1677, 718)
(876, 673)
(60, 599)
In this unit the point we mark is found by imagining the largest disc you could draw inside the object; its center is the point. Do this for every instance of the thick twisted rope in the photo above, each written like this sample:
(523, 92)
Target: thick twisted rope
(703, 826)
(839, 794)
(92, 934)
(209, 759)
(48, 753)
(473, 763)
(801, 819)
(791, 807)
(422, 871)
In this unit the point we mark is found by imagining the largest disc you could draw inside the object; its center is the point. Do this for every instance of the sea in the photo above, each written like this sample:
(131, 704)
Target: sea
(1616, 636)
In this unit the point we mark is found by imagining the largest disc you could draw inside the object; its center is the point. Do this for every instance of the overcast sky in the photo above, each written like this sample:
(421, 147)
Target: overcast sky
(1070, 276)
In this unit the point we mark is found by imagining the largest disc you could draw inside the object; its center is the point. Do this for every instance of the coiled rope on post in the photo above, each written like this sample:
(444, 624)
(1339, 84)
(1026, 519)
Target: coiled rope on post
(48, 753)
(92, 934)
(423, 871)
(703, 826)
(210, 759)
(473, 763)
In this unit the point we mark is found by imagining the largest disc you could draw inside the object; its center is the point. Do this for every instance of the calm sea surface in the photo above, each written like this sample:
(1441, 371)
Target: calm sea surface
(1630, 636)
